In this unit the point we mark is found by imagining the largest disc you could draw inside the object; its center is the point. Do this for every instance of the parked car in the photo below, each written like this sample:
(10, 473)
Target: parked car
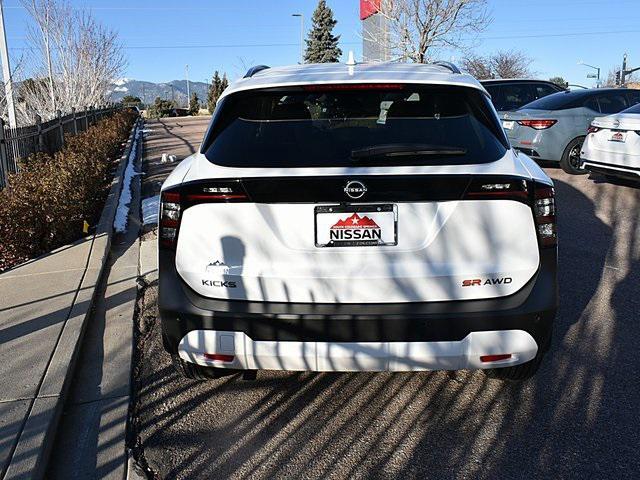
(348, 218)
(553, 128)
(510, 94)
(612, 146)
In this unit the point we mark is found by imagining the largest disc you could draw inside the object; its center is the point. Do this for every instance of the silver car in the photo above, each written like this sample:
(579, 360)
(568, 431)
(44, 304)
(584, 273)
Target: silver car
(553, 128)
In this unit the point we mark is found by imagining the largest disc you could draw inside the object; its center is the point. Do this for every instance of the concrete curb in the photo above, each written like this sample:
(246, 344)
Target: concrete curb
(31, 455)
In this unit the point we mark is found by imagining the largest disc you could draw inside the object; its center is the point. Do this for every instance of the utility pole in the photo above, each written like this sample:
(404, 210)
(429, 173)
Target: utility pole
(626, 71)
(6, 71)
(186, 69)
(301, 35)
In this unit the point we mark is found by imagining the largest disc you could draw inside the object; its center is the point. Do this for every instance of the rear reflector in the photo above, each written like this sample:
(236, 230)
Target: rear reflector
(593, 129)
(218, 357)
(537, 124)
(495, 358)
(353, 86)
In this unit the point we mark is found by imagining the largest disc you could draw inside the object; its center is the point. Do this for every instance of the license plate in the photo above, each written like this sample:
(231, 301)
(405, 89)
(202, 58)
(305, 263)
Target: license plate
(618, 137)
(508, 125)
(356, 225)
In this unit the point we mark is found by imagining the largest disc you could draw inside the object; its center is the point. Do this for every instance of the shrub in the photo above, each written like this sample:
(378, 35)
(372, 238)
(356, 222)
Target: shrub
(47, 202)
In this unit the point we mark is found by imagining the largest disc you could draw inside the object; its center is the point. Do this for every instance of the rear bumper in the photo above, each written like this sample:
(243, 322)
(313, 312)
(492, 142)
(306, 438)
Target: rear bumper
(403, 326)
(611, 169)
(238, 351)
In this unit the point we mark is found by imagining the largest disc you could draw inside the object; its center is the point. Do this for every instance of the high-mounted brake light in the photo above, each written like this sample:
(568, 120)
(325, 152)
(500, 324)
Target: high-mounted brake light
(544, 211)
(352, 86)
(537, 124)
(593, 129)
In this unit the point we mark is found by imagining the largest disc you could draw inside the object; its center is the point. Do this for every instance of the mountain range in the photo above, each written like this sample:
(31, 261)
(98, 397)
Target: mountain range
(148, 91)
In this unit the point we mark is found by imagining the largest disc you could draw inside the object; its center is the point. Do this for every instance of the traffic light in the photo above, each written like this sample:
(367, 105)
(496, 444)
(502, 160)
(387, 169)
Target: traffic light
(618, 77)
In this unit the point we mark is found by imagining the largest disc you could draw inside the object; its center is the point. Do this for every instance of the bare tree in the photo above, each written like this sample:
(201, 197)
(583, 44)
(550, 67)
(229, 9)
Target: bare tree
(415, 29)
(511, 64)
(478, 66)
(77, 56)
(501, 64)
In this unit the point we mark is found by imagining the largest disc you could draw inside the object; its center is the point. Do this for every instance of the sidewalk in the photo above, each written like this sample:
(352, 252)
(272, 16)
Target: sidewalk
(44, 305)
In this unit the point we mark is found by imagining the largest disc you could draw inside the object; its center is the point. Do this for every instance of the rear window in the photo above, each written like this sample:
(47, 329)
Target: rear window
(556, 101)
(332, 126)
(634, 109)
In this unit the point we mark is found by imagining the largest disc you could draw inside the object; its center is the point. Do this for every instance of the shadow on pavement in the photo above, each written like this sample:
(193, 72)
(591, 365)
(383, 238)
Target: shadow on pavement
(575, 419)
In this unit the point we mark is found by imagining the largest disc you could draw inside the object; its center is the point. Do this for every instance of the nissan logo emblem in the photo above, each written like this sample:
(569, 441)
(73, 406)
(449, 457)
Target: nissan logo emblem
(355, 189)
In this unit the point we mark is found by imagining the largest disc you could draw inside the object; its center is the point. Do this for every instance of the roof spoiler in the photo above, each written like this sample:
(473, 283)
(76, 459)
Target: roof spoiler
(448, 65)
(253, 70)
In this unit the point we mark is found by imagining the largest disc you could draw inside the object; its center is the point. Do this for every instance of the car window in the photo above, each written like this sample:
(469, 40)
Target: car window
(515, 95)
(634, 109)
(634, 97)
(612, 102)
(557, 101)
(320, 126)
(544, 90)
(592, 104)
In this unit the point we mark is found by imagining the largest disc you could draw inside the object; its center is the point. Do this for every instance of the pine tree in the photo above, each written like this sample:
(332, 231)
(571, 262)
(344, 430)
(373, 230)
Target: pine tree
(215, 90)
(322, 44)
(194, 104)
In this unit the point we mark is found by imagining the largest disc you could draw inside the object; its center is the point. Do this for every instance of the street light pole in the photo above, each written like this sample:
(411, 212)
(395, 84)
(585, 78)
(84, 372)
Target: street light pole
(6, 71)
(186, 69)
(597, 69)
(301, 35)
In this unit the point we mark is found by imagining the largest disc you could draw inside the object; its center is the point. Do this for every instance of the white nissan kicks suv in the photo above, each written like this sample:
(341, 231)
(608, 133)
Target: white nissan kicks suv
(357, 217)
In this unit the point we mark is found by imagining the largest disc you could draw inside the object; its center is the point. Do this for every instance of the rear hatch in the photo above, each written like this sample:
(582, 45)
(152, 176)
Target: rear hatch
(380, 195)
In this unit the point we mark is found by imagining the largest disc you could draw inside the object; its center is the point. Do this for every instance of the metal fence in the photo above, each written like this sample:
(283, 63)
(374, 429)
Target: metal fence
(20, 142)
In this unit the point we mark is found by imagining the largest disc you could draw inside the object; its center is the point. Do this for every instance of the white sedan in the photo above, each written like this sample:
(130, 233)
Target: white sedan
(612, 146)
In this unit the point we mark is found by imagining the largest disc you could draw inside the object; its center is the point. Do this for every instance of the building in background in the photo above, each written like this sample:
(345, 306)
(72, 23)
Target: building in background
(374, 30)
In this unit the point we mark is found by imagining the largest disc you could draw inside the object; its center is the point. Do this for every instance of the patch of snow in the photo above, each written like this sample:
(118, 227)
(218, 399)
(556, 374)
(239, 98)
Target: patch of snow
(121, 81)
(121, 89)
(122, 214)
(150, 209)
(167, 158)
(147, 131)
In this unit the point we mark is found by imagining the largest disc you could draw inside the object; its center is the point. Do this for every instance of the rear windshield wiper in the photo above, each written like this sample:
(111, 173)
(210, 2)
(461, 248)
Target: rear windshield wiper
(405, 150)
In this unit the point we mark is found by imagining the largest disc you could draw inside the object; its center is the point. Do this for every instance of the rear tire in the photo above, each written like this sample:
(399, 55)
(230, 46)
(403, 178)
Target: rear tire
(198, 372)
(570, 161)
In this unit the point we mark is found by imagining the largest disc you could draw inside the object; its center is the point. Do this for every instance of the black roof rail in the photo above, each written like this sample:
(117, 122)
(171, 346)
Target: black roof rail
(448, 65)
(253, 70)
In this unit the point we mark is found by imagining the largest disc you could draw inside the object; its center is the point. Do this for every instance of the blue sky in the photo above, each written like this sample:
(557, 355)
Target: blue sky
(161, 37)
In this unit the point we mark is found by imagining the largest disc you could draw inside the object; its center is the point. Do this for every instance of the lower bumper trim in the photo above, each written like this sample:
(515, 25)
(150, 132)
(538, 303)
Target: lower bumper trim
(356, 356)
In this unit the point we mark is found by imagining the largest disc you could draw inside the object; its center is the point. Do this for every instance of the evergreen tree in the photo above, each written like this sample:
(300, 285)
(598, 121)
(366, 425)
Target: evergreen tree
(322, 44)
(194, 104)
(215, 90)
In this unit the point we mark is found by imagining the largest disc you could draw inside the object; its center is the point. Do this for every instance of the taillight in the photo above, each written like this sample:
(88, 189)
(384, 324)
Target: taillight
(174, 203)
(537, 124)
(544, 211)
(169, 224)
(593, 129)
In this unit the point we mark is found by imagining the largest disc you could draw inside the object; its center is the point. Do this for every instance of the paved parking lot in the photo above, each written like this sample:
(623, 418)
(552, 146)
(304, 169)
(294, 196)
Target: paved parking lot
(576, 419)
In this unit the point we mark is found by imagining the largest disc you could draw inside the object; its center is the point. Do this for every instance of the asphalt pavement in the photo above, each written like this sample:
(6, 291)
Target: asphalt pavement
(577, 418)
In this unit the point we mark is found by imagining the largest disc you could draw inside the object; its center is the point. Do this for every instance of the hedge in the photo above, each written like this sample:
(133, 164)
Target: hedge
(48, 201)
